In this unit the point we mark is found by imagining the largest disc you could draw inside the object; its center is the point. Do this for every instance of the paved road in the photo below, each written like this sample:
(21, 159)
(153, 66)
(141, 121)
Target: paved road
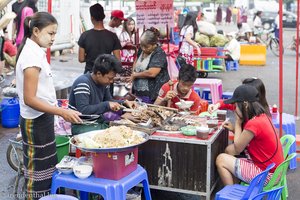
(66, 69)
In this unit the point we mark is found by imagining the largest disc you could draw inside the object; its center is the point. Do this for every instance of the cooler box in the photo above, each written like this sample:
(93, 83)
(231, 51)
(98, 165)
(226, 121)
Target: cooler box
(253, 54)
(115, 165)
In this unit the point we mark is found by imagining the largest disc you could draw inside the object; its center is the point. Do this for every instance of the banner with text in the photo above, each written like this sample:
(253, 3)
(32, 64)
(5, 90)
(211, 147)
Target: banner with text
(156, 13)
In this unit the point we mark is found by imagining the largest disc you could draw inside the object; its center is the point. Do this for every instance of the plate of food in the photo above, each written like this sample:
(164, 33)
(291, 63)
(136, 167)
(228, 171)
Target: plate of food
(113, 139)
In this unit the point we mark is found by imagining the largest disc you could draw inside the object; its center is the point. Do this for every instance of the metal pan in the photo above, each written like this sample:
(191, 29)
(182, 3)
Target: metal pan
(103, 150)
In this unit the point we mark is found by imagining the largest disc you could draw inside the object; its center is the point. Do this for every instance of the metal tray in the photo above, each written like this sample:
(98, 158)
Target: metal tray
(103, 150)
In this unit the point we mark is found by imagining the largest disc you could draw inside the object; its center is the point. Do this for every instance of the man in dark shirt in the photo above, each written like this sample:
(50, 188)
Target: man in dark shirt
(16, 8)
(98, 40)
(90, 92)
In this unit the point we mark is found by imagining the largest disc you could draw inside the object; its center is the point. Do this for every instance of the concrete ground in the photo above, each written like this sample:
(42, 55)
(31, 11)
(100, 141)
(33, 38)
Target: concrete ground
(66, 68)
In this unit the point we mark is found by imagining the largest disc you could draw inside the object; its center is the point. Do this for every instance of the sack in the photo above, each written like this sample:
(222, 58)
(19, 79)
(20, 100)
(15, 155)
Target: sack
(172, 68)
(206, 28)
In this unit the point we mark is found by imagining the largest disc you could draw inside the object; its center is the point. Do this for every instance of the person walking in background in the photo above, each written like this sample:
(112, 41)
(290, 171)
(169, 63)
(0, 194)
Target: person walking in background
(127, 39)
(234, 14)
(15, 8)
(187, 36)
(97, 40)
(38, 104)
(28, 8)
(228, 15)
(219, 15)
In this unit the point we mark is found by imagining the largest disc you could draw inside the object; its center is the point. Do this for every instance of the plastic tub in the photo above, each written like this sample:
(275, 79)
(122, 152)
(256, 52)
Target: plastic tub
(10, 112)
(115, 165)
(62, 146)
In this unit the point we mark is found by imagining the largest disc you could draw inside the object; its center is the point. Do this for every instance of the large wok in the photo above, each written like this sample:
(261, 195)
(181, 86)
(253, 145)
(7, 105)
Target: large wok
(117, 149)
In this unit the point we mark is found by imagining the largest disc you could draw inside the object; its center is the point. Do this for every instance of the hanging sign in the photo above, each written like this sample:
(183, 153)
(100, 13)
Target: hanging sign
(156, 13)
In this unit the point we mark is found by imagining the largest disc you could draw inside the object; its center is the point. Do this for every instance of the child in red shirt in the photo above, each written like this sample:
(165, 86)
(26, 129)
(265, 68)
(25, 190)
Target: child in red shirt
(172, 91)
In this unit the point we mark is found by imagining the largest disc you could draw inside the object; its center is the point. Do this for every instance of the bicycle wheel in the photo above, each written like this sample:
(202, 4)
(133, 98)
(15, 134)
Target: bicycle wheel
(274, 46)
(11, 157)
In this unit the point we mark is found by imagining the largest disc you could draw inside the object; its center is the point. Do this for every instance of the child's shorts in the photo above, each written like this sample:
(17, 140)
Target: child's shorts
(246, 170)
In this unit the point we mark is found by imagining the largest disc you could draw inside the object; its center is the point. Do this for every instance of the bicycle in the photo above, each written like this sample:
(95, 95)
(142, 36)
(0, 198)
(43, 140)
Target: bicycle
(270, 41)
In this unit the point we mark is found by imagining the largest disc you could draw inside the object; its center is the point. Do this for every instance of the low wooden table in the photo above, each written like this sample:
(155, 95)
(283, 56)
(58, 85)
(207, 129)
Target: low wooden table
(184, 164)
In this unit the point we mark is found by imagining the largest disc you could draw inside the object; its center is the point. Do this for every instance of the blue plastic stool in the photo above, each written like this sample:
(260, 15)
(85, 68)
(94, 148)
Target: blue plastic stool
(206, 95)
(108, 189)
(232, 65)
(227, 95)
(58, 197)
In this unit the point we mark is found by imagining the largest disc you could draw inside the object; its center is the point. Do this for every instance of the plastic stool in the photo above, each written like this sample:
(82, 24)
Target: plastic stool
(108, 189)
(232, 65)
(58, 197)
(206, 94)
(227, 95)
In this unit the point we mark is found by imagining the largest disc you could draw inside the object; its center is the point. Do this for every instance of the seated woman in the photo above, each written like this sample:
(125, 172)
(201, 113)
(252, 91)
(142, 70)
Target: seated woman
(171, 92)
(90, 93)
(150, 70)
(255, 133)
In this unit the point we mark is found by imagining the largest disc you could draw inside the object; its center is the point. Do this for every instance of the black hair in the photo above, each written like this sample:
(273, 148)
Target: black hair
(257, 14)
(150, 36)
(97, 12)
(39, 20)
(239, 25)
(187, 73)
(190, 20)
(27, 3)
(259, 85)
(105, 63)
(125, 26)
(251, 110)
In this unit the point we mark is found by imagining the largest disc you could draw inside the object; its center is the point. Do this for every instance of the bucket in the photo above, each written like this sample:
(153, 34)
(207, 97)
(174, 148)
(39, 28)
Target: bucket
(62, 146)
(10, 112)
(58, 197)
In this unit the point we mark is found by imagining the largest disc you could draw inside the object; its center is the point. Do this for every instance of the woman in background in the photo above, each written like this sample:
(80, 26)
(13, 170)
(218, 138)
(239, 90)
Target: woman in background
(150, 70)
(187, 34)
(28, 8)
(127, 39)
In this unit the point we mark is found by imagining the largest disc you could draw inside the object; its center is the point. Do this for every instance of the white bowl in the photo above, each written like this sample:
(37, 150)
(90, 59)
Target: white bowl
(184, 105)
(83, 171)
(63, 169)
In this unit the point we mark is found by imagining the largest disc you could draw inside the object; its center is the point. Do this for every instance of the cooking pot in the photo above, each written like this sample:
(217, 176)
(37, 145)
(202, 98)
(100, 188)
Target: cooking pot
(121, 89)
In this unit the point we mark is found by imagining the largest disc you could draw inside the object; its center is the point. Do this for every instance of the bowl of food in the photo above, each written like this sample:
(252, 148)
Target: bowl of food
(184, 104)
(188, 130)
(83, 171)
(212, 123)
(203, 132)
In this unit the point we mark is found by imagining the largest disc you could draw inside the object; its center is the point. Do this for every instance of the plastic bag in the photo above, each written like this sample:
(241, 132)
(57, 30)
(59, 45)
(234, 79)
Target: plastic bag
(172, 68)
(206, 28)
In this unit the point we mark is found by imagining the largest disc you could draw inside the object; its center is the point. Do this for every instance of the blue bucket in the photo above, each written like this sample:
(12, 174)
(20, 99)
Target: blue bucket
(10, 112)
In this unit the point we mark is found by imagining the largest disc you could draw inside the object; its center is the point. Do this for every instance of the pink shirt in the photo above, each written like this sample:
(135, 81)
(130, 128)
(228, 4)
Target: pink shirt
(27, 11)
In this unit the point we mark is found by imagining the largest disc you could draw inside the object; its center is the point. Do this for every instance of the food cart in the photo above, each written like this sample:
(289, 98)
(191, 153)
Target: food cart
(184, 164)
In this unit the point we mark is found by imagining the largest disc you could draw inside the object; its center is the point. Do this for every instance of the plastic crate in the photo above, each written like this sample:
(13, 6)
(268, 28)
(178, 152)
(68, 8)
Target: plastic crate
(115, 165)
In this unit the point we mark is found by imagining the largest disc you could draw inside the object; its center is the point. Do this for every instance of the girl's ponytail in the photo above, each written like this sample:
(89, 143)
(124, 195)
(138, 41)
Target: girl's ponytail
(27, 34)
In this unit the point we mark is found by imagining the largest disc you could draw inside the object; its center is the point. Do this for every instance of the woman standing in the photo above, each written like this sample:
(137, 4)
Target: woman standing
(127, 39)
(187, 34)
(38, 104)
(150, 70)
(28, 8)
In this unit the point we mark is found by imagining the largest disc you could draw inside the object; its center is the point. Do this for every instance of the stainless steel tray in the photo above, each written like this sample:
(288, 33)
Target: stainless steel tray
(103, 150)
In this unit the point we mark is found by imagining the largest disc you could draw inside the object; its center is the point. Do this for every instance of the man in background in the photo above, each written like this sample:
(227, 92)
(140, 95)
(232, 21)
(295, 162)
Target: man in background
(116, 19)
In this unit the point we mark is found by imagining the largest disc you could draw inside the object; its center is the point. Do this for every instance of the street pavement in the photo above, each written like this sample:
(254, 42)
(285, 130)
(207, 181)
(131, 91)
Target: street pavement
(66, 69)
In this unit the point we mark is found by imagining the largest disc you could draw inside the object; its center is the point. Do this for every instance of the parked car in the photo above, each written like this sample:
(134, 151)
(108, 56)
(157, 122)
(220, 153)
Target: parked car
(289, 19)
